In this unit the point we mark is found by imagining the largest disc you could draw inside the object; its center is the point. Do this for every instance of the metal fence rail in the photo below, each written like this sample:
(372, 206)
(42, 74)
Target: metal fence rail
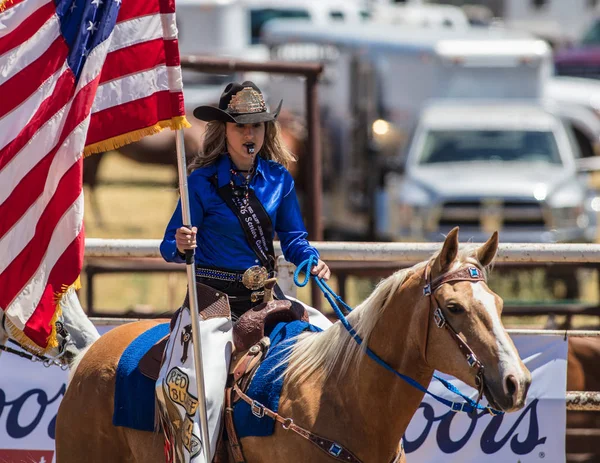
(401, 253)
(349, 253)
(583, 400)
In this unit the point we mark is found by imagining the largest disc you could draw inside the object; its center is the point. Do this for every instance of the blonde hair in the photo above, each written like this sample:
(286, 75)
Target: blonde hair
(214, 145)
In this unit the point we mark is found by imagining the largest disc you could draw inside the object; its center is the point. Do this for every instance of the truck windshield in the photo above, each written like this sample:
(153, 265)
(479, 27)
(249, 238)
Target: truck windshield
(592, 35)
(442, 146)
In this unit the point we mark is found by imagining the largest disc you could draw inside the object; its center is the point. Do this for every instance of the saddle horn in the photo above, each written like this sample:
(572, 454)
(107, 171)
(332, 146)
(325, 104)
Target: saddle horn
(269, 285)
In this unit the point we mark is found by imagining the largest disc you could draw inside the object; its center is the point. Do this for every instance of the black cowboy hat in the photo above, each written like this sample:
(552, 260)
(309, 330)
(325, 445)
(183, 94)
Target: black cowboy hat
(240, 103)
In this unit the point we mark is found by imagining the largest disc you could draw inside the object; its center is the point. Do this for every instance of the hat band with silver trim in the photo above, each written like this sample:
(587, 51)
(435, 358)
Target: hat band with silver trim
(247, 101)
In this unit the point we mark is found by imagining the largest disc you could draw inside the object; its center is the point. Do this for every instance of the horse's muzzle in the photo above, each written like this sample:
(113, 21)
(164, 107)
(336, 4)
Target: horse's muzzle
(510, 394)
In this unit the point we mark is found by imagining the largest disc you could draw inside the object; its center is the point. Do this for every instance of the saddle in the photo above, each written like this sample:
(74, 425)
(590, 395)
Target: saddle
(250, 328)
(248, 331)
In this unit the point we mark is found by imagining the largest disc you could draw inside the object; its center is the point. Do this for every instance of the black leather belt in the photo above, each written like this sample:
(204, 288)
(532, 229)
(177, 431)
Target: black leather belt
(253, 278)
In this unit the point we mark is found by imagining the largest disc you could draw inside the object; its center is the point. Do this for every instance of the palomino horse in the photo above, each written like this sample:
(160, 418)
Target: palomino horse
(330, 387)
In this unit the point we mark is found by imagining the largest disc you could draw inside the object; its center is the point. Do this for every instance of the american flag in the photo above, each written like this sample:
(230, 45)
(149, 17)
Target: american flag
(76, 77)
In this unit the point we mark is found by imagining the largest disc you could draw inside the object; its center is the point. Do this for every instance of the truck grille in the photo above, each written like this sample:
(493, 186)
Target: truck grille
(574, 70)
(507, 214)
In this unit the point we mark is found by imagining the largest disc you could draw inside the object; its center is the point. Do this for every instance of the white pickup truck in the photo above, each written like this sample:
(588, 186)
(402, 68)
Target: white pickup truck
(487, 166)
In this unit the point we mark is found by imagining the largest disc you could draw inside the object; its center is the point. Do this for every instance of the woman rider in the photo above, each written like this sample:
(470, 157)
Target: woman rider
(241, 194)
(242, 164)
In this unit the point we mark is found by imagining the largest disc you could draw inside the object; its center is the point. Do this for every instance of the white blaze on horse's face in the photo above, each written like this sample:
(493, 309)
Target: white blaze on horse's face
(513, 376)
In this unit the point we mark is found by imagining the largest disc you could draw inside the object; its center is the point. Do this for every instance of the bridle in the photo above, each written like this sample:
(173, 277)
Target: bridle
(472, 274)
(47, 361)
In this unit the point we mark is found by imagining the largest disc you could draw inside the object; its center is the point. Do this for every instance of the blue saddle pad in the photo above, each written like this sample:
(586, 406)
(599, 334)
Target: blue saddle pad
(134, 392)
(267, 382)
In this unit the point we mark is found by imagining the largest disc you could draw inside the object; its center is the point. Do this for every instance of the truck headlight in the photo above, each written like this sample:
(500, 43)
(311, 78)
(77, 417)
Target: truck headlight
(566, 217)
(416, 220)
(409, 208)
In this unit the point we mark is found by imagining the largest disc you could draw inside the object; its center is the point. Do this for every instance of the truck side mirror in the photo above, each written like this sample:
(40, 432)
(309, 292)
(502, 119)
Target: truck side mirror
(588, 165)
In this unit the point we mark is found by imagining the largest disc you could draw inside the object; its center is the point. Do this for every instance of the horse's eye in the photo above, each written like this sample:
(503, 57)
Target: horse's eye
(455, 308)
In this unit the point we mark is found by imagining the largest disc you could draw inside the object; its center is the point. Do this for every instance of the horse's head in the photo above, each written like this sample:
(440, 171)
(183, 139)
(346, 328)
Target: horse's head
(469, 315)
(61, 355)
(74, 332)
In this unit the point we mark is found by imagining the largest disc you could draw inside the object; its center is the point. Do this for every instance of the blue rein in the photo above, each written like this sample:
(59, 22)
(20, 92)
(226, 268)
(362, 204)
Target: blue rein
(469, 406)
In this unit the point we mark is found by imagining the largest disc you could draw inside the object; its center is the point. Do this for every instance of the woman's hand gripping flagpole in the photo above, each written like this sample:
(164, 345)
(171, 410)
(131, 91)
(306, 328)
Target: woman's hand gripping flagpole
(193, 296)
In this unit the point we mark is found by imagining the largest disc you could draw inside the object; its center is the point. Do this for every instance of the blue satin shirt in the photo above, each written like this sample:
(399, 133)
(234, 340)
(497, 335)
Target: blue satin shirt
(220, 239)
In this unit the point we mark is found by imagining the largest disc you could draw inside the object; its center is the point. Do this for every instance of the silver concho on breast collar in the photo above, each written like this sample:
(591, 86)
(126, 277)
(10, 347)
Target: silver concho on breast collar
(254, 278)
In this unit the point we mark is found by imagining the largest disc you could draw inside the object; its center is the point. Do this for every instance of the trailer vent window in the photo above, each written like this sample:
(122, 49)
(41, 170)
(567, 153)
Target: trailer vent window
(260, 16)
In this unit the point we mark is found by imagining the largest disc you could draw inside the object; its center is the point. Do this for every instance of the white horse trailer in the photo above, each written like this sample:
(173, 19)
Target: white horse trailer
(378, 77)
(231, 28)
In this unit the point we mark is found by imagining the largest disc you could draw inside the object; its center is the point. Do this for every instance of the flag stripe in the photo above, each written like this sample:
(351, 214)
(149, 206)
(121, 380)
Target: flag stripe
(18, 11)
(129, 60)
(150, 27)
(167, 6)
(132, 87)
(29, 26)
(131, 10)
(66, 268)
(37, 138)
(169, 25)
(30, 259)
(172, 52)
(63, 231)
(20, 200)
(177, 103)
(22, 88)
(19, 58)
(109, 123)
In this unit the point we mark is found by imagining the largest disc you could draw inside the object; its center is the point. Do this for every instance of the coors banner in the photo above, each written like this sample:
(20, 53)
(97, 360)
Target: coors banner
(535, 433)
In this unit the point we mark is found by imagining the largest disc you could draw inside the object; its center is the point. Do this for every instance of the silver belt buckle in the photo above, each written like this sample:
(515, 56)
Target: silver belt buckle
(254, 278)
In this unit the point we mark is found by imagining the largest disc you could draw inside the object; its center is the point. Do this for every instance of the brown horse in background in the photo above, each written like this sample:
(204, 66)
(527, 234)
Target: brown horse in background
(159, 149)
(583, 374)
(330, 387)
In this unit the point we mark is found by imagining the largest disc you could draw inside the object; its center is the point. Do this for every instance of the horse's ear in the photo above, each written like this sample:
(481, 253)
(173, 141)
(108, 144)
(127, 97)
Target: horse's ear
(487, 251)
(449, 251)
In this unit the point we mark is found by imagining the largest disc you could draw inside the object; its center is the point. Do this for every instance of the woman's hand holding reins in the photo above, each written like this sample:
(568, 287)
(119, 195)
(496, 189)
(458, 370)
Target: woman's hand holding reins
(185, 238)
(321, 270)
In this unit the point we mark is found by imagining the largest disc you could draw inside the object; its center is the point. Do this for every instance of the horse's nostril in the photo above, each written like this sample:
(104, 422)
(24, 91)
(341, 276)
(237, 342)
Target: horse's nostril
(511, 385)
